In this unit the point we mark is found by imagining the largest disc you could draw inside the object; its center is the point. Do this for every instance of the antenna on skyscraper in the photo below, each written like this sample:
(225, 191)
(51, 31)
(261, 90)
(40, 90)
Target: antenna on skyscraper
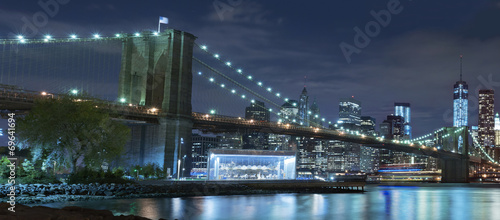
(305, 81)
(461, 68)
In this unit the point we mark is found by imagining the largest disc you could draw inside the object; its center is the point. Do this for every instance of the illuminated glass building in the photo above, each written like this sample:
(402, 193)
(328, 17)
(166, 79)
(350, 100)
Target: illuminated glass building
(403, 110)
(497, 130)
(460, 101)
(486, 122)
(251, 165)
(497, 122)
(349, 112)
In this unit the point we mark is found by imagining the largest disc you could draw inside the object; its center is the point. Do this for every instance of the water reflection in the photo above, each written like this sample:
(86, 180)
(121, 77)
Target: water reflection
(380, 202)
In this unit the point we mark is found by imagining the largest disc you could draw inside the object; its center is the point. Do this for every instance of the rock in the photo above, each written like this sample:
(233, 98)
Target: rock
(122, 193)
(108, 193)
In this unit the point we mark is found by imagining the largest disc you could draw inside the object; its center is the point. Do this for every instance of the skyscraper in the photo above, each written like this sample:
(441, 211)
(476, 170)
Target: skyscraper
(497, 122)
(460, 101)
(350, 113)
(392, 127)
(403, 110)
(201, 145)
(289, 112)
(303, 116)
(314, 114)
(486, 122)
(497, 130)
(257, 111)
(368, 125)
(254, 140)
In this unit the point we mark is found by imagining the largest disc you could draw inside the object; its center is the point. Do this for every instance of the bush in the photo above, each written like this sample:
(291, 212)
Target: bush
(4, 169)
(149, 171)
(39, 177)
(87, 175)
(25, 173)
(118, 171)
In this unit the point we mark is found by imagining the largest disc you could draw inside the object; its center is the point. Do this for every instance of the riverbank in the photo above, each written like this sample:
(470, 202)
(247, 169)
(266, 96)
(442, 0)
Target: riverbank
(52, 193)
(23, 212)
(434, 184)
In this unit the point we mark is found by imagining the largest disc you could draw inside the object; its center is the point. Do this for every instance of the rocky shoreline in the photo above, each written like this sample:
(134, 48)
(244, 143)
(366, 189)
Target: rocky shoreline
(52, 193)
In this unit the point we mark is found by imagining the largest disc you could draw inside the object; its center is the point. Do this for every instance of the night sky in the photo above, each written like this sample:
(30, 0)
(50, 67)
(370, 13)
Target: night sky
(412, 58)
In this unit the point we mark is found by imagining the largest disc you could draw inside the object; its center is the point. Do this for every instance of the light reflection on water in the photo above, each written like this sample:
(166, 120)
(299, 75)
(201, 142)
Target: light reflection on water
(380, 202)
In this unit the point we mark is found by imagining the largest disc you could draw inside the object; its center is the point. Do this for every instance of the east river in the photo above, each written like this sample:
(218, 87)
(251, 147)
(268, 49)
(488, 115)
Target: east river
(421, 201)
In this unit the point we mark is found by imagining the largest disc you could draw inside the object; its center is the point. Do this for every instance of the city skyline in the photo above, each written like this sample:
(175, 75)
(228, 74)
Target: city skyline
(240, 109)
(390, 69)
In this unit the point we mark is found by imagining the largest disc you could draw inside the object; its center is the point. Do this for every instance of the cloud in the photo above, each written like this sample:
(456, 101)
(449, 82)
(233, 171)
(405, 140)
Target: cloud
(419, 67)
(100, 7)
(243, 12)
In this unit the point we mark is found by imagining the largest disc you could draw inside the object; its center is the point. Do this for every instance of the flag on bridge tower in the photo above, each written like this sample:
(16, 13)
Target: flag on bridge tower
(163, 20)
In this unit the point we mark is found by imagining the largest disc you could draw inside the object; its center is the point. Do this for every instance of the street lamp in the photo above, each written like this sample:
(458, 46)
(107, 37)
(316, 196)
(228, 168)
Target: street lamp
(74, 91)
(178, 168)
(183, 164)
(45, 94)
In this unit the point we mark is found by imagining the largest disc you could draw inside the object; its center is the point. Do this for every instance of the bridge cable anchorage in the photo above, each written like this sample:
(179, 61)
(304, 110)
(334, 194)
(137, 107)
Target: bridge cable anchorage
(240, 85)
(239, 71)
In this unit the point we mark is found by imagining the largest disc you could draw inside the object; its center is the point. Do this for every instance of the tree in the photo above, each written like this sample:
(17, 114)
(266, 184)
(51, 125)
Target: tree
(66, 130)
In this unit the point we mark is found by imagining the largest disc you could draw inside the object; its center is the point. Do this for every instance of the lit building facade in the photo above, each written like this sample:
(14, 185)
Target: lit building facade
(289, 112)
(257, 111)
(251, 165)
(368, 125)
(460, 101)
(369, 159)
(497, 130)
(403, 110)
(497, 122)
(255, 140)
(349, 112)
(486, 121)
(314, 115)
(303, 116)
(201, 145)
(393, 127)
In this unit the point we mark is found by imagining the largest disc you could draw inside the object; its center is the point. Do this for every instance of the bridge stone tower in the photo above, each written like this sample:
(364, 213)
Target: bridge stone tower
(455, 139)
(156, 73)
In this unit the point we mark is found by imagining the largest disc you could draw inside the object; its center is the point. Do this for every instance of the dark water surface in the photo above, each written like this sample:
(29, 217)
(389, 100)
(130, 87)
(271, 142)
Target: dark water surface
(423, 201)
